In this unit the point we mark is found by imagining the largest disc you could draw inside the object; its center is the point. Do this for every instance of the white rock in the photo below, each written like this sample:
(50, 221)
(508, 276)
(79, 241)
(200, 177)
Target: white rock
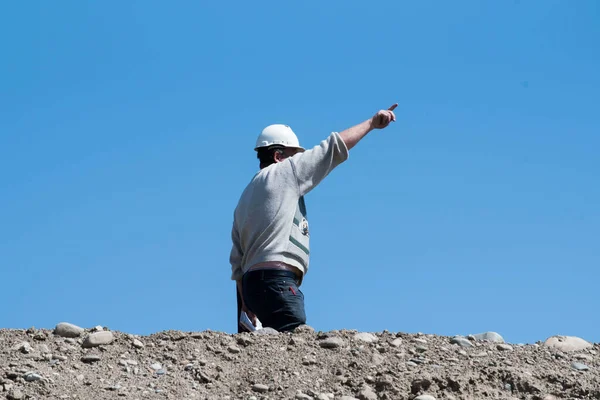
(43, 348)
(23, 347)
(260, 388)
(580, 366)
(65, 329)
(397, 342)
(234, 349)
(331, 343)
(489, 336)
(586, 357)
(14, 394)
(366, 393)
(461, 341)
(424, 397)
(98, 339)
(366, 337)
(32, 377)
(137, 344)
(567, 343)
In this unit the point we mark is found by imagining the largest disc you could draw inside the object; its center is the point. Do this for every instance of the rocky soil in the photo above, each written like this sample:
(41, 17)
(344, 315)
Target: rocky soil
(74, 363)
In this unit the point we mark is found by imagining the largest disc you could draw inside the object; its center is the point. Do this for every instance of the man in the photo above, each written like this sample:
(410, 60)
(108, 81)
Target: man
(270, 253)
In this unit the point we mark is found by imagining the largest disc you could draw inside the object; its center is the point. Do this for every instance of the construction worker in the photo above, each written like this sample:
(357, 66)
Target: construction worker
(270, 253)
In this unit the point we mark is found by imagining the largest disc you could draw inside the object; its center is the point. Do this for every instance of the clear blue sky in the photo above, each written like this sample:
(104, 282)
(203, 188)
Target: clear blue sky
(127, 133)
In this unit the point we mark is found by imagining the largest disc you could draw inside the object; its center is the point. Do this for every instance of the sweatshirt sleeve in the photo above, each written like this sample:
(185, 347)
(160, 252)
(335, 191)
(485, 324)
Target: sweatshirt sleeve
(313, 165)
(235, 258)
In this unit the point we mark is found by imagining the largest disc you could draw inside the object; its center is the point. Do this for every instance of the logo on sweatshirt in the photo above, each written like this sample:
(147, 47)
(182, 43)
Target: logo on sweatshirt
(304, 227)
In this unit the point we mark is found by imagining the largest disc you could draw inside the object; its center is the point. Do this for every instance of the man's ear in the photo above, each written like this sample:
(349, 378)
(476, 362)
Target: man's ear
(278, 156)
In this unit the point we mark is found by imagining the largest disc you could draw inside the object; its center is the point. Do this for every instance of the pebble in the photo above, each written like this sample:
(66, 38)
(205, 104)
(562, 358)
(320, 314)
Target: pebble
(266, 331)
(366, 337)
(421, 349)
(567, 343)
(32, 377)
(331, 343)
(59, 358)
(348, 398)
(67, 330)
(580, 366)
(15, 394)
(44, 349)
(161, 371)
(137, 344)
(90, 358)
(585, 357)
(366, 393)
(309, 360)
(377, 359)
(504, 347)
(323, 396)
(302, 396)
(461, 341)
(480, 354)
(156, 366)
(424, 397)
(411, 364)
(98, 339)
(260, 388)
(234, 349)
(23, 347)
(489, 336)
(304, 329)
(397, 342)
(420, 341)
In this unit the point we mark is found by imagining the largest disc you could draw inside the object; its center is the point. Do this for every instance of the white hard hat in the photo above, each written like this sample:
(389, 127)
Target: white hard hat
(278, 134)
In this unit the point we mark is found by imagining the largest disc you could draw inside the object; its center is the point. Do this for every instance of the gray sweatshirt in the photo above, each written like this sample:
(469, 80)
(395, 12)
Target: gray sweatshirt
(269, 222)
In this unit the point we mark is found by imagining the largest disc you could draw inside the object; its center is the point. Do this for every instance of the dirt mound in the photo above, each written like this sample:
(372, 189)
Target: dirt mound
(72, 363)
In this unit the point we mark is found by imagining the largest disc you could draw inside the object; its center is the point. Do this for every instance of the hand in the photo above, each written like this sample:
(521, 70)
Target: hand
(251, 315)
(384, 117)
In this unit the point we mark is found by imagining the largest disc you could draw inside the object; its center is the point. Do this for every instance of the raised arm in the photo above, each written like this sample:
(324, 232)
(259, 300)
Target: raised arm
(312, 166)
(353, 135)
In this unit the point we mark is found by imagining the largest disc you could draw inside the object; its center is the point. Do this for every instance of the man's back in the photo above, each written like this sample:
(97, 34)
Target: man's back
(270, 221)
(264, 216)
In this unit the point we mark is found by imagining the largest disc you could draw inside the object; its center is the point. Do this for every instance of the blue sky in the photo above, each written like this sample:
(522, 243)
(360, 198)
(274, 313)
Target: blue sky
(126, 137)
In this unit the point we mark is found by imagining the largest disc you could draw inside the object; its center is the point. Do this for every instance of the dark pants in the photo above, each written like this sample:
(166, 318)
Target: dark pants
(274, 297)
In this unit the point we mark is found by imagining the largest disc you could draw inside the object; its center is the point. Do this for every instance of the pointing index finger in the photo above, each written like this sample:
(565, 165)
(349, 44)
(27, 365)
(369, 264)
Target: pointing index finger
(393, 107)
